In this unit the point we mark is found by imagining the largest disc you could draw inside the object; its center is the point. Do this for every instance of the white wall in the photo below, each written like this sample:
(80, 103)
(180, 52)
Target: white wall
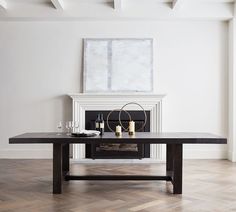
(40, 62)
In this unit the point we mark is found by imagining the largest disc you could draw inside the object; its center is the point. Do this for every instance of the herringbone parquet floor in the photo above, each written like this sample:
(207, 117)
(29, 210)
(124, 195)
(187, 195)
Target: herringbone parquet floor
(25, 186)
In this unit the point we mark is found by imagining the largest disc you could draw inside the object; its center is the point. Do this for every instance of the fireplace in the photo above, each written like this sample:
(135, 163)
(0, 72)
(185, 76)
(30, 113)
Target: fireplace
(117, 151)
(152, 104)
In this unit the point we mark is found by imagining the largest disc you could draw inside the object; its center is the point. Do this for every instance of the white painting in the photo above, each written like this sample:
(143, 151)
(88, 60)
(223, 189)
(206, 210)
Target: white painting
(115, 65)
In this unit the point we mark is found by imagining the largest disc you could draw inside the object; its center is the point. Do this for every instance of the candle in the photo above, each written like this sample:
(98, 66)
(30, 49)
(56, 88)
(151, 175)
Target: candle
(118, 130)
(131, 127)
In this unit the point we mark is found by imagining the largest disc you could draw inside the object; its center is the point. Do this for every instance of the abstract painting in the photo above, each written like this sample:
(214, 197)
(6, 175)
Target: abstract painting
(117, 65)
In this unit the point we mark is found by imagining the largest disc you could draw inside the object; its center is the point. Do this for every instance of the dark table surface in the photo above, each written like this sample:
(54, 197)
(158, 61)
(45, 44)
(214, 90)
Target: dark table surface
(141, 137)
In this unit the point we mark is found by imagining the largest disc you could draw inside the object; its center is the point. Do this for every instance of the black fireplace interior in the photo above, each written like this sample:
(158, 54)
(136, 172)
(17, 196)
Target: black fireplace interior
(117, 151)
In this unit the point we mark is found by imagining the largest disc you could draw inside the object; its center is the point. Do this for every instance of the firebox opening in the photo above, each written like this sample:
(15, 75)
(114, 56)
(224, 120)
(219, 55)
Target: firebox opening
(117, 151)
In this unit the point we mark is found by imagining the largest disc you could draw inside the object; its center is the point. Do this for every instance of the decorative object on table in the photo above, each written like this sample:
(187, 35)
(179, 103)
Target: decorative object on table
(108, 116)
(59, 127)
(68, 127)
(130, 123)
(111, 64)
(99, 123)
(131, 128)
(75, 126)
(85, 133)
(118, 131)
(72, 127)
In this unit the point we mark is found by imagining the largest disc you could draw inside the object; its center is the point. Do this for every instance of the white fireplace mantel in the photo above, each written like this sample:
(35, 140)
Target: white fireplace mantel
(83, 102)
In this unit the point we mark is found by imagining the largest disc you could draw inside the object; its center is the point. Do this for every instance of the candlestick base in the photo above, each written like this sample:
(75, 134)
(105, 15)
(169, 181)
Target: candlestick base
(118, 134)
(131, 133)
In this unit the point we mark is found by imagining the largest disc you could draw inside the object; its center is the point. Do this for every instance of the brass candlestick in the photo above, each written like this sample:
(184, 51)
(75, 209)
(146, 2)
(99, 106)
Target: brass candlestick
(118, 134)
(131, 133)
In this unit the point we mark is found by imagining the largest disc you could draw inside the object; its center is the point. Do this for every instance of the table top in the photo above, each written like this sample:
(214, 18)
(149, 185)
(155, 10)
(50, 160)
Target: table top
(138, 138)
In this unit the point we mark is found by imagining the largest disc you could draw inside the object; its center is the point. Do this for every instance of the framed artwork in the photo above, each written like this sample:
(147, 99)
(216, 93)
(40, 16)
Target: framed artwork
(116, 65)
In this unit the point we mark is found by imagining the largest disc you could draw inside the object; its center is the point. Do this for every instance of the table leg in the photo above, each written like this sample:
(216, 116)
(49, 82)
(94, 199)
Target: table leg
(57, 168)
(65, 158)
(169, 158)
(177, 168)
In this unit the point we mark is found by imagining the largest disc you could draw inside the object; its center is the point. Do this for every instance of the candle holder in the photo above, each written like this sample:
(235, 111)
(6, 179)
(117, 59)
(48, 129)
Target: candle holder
(131, 133)
(108, 116)
(144, 112)
(118, 134)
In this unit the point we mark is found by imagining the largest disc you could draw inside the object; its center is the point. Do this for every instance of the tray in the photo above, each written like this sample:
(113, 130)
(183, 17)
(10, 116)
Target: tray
(83, 134)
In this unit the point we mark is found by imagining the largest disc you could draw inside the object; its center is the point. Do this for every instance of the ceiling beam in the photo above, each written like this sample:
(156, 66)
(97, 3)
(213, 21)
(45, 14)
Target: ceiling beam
(3, 4)
(58, 4)
(118, 5)
(176, 4)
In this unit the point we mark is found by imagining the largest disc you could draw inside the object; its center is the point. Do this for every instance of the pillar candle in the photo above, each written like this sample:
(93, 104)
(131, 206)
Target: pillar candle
(118, 129)
(132, 126)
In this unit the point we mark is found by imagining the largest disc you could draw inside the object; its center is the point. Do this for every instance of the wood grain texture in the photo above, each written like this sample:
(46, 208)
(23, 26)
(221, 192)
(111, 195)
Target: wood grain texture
(139, 138)
(25, 186)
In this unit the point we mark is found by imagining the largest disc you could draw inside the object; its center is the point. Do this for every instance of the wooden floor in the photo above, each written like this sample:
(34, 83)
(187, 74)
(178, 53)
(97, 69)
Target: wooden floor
(25, 186)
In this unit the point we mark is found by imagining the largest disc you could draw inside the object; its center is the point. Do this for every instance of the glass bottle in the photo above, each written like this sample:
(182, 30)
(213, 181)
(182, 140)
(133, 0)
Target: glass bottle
(97, 123)
(101, 124)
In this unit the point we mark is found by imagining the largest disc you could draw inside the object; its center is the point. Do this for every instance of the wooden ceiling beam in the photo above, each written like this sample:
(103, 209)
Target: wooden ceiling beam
(3, 4)
(58, 4)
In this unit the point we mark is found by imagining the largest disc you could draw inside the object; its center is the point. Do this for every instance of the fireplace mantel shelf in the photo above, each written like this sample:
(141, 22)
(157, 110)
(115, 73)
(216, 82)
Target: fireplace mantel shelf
(117, 95)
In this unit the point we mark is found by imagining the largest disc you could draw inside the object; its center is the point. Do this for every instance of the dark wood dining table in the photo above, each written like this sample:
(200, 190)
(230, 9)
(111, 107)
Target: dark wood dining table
(174, 153)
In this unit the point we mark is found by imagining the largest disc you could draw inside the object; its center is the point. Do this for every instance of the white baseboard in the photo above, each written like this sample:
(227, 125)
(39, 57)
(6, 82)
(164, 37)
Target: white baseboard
(205, 154)
(26, 154)
(231, 156)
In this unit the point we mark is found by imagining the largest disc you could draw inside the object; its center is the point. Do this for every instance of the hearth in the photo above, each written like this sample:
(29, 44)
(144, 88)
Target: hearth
(117, 151)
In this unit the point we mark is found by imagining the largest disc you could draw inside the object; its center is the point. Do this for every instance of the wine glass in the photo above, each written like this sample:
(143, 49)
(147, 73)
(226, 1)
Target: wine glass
(76, 126)
(59, 127)
(70, 124)
(68, 127)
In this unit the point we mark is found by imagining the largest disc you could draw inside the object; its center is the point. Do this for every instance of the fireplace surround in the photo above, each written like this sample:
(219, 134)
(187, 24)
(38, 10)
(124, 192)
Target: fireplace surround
(82, 102)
